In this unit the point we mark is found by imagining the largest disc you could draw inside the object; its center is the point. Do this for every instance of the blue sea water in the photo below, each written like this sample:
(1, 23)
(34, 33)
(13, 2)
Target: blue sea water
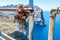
(41, 32)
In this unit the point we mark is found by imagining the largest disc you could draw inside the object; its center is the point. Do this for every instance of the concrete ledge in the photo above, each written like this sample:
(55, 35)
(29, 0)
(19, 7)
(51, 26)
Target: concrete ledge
(6, 36)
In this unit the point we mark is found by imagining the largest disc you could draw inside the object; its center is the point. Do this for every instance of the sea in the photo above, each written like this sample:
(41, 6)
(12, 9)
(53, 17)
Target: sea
(41, 32)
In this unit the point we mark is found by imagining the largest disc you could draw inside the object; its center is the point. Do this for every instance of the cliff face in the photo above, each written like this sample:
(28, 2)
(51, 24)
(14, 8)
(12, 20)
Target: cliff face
(37, 13)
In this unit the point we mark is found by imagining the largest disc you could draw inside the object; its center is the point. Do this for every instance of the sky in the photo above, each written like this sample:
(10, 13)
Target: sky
(43, 4)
